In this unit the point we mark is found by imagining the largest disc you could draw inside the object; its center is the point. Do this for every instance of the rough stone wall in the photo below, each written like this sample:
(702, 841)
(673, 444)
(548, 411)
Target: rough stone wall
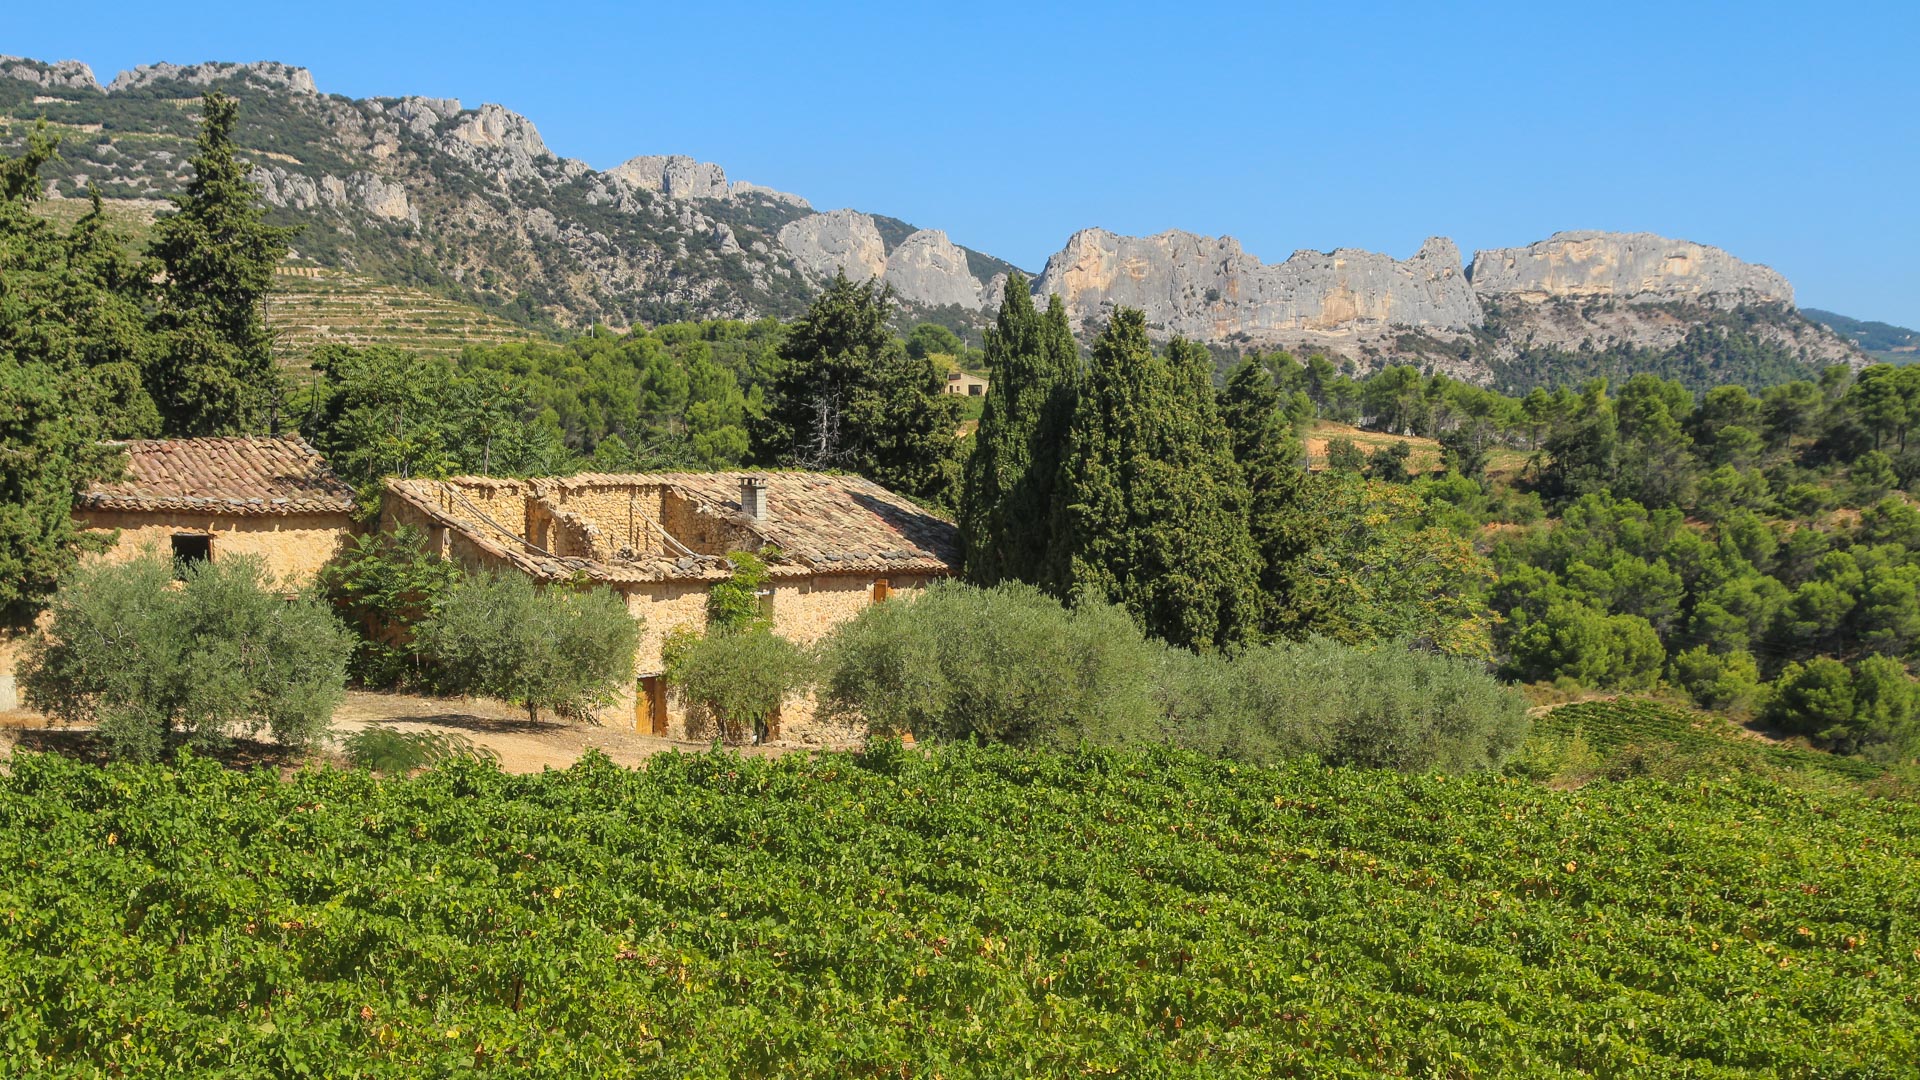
(619, 514)
(293, 546)
(708, 534)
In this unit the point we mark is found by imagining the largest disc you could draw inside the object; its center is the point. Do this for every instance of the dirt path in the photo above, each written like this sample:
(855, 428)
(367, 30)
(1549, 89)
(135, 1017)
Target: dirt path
(521, 745)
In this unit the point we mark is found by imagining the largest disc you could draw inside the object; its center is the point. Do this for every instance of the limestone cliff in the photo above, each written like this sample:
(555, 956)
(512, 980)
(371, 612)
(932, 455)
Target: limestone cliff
(927, 268)
(838, 241)
(1637, 267)
(1207, 288)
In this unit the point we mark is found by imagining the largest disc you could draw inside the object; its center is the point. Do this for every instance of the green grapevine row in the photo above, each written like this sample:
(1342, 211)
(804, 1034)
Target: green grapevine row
(969, 912)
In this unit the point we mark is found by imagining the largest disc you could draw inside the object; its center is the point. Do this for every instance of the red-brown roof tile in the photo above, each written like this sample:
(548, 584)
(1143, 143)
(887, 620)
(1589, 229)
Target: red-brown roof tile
(237, 475)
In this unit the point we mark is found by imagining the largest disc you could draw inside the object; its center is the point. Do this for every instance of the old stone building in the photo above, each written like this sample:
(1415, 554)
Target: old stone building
(272, 497)
(836, 543)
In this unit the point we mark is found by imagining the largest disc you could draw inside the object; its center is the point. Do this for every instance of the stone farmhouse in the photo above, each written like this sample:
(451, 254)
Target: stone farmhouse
(835, 544)
(269, 496)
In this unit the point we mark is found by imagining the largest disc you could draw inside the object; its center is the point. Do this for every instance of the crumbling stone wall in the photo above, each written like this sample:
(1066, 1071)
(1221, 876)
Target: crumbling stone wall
(293, 546)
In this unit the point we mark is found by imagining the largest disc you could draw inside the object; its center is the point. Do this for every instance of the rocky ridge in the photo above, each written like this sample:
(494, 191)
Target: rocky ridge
(423, 190)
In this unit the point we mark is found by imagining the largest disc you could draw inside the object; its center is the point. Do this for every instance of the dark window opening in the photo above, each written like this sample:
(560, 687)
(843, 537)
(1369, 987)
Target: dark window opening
(975, 390)
(190, 548)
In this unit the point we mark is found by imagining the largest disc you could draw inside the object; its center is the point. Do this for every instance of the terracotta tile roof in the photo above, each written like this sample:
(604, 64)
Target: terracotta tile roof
(821, 523)
(238, 475)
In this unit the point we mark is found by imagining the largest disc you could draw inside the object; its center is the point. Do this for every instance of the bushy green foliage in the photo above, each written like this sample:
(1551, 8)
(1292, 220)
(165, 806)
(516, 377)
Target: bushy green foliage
(552, 646)
(973, 911)
(383, 584)
(1573, 640)
(73, 351)
(1009, 664)
(735, 679)
(389, 750)
(1005, 664)
(1379, 707)
(1728, 680)
(734, 604)
(222, 654)
(1875, 705)
(215, 373)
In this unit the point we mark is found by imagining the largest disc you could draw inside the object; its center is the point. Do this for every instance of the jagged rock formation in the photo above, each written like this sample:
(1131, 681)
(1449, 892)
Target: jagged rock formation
(1636, 267)
(838, 241)
(473, 204)
(63, 75)
(1207, 288)
(677, 176)
(927, 268)
(297, 80)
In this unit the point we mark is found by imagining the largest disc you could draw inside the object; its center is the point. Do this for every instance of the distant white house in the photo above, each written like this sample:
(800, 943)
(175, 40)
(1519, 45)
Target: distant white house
(966, 385)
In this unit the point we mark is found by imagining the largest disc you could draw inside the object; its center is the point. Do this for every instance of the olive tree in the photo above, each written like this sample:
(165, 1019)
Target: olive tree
(219, 654)
(559, 646)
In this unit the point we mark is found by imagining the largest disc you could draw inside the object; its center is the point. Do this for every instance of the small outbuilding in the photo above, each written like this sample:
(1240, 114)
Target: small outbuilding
(269, 496)
(966, 384)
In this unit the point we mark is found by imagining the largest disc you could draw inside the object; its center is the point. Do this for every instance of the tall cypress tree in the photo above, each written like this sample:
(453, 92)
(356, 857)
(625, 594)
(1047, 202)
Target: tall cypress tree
(215, 374)
(1007, 505)
(1154, 506)
(1269, 456)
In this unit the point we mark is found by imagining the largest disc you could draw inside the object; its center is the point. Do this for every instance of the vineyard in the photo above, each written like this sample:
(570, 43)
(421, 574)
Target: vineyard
(1645, 726)
(971, 912)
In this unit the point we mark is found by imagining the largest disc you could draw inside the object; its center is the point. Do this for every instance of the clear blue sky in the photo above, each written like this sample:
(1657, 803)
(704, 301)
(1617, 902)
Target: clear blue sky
(1787, 134)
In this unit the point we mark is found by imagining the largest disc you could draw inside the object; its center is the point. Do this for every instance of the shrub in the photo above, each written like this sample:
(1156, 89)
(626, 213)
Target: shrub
(738, 678)
(1008, 664)
(559, 647)
(383, 585)
(1005, 664)
(1729, 680)
(1873, 707)
(1382, 707)
(219, 655)
(1599, 650)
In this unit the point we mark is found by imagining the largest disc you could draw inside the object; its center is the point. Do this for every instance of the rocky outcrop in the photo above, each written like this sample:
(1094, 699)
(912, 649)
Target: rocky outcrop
(1209, 289)
(927, 268)
(1636, 267)
(740, 189)
(60, 75)
(674, 175)
(834, 242)
(492, 127)
(376, 195)
(268, 73)
(677, 176)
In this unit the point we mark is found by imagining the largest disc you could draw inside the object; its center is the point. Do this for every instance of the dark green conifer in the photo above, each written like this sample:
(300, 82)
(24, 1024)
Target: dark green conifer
(1154, 505)
(1271, 463)
(1007, 509)
(215, 374)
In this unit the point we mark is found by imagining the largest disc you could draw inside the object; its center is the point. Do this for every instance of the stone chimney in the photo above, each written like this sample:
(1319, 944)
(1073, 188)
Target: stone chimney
(753, 498)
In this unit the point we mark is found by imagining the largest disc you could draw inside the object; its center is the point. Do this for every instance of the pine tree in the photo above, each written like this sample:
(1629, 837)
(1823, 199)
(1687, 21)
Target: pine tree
(1270, 459)
(215, 374)
(1154, 505)
(847, 396)
(1007, 508)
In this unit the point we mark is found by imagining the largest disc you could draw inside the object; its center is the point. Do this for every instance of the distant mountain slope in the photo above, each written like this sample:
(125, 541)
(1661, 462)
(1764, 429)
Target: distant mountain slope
(1882, 341)
(470, 205)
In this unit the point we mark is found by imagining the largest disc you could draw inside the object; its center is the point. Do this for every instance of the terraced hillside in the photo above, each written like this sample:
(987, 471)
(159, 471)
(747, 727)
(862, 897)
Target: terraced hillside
(312, 306)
